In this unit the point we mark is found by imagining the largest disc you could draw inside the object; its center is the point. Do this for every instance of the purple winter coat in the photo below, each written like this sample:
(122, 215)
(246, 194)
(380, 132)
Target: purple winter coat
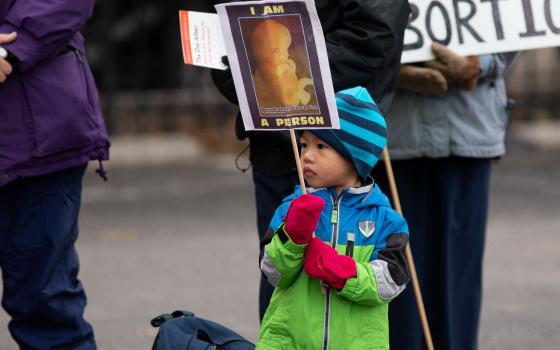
(50, 118)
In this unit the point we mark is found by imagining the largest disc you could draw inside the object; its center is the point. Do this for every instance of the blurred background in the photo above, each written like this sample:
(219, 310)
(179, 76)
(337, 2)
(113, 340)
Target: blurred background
(175, 226)
(135, 53)
(134, 50)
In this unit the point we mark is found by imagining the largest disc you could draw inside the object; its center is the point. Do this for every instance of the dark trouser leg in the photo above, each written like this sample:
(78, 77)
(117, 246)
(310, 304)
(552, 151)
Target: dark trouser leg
(445, 202)
(412, 183)
(269, 192)
(42, 294)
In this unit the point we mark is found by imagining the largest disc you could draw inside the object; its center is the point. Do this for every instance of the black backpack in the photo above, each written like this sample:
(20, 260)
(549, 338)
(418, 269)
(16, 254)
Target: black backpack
(182, 330)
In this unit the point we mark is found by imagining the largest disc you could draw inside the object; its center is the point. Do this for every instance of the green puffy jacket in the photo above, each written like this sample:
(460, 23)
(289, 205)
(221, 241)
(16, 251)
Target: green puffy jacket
(300, 316)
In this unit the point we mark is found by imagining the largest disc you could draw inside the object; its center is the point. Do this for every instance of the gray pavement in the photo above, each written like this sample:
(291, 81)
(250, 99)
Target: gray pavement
(180, 234)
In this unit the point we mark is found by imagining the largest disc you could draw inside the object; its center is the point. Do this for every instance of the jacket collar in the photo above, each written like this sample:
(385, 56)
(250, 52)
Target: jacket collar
(351, 195)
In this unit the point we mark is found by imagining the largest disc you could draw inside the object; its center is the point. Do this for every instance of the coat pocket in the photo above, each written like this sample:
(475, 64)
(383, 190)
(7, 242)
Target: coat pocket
(62, 116)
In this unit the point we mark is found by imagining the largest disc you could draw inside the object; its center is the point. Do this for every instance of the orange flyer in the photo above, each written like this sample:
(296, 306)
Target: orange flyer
(201, 39)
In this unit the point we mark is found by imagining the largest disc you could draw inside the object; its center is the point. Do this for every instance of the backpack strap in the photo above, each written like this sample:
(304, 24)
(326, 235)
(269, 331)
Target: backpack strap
(181, 313)
(159, 320)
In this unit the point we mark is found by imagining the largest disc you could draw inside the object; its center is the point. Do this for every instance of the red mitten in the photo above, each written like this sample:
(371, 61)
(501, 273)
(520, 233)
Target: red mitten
(324, 263)
(302, 217)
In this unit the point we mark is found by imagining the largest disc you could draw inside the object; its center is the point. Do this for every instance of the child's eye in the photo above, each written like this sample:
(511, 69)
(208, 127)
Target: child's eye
(303, 144)
(321, 146)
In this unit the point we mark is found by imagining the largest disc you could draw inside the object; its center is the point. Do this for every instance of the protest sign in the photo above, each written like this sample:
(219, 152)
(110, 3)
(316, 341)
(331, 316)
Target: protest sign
(471, 27)
(201, 39)
(279, 64)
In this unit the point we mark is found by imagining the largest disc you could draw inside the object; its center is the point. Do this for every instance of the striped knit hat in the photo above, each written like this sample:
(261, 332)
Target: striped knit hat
(363, 133)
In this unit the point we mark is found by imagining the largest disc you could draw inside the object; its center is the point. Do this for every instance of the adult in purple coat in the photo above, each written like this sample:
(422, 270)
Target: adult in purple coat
(50, 127)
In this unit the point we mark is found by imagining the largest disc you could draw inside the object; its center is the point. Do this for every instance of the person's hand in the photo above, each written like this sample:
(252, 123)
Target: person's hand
(421, 80)
(322, 262)
(302, 217)
(224, 82)
(459, 70)
(5, 66)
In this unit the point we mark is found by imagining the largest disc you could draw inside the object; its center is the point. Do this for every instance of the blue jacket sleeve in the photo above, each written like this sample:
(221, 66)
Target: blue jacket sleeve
(496, 65)
(44, 28)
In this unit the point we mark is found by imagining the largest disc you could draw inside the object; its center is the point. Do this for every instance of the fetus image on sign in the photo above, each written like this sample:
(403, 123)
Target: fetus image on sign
(275, 70)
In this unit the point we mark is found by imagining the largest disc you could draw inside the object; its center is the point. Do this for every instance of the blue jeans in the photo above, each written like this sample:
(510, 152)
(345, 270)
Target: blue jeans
(42, 293)
(445, 203)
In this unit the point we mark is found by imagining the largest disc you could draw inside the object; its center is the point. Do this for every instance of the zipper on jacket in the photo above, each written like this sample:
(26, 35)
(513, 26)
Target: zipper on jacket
(335, 215)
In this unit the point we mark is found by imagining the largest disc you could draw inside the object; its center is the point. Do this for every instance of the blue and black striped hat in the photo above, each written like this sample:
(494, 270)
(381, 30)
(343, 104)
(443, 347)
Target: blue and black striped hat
(363, 133)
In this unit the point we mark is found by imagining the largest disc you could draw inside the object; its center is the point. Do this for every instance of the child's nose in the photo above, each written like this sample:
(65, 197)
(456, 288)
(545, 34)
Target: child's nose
(306, 156)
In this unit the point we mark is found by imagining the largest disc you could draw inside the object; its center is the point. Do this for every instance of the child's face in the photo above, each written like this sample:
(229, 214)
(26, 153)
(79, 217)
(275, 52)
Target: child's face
(325, 167)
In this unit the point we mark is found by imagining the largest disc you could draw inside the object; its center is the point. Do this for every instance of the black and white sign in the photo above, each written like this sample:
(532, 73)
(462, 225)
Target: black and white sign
(474, 27)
